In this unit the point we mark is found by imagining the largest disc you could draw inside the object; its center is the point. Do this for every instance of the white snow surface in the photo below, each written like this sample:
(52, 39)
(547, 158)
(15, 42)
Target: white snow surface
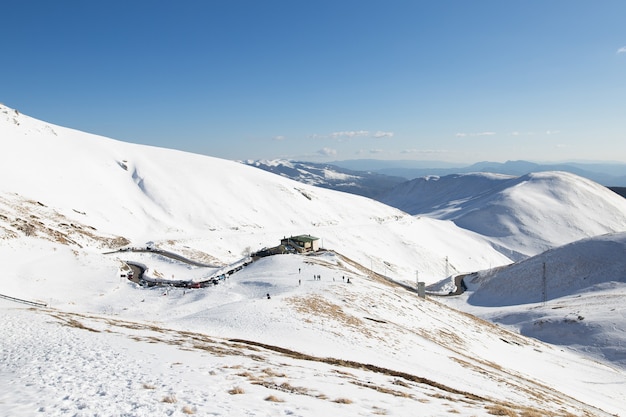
(85, 341)
(521, 216)
(570, 296)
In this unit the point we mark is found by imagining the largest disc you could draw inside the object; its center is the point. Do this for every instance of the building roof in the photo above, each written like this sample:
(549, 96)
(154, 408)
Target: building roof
(304, 238)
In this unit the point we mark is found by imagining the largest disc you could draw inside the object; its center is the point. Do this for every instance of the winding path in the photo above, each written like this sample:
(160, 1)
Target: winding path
(460, 285)
(138, 270)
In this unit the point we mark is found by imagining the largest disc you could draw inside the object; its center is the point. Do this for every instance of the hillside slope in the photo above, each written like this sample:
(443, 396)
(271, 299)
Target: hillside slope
(567, 270)
(570, 296)
(223, 208)
(269, 339)
(521, 216)
(364, 347)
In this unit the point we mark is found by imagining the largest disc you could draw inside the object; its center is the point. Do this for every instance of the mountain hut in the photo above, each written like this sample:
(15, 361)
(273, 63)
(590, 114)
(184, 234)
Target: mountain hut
(302, 243)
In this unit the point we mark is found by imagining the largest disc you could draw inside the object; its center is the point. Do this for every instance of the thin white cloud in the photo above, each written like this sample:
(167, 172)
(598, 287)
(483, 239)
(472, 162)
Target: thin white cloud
(279, 138)
(463, 134)
(531, 133)
(518, 133)
(327, 152)
(424, 151)
(350, 134)
(381, 134)
(622, 50)
(375, 151)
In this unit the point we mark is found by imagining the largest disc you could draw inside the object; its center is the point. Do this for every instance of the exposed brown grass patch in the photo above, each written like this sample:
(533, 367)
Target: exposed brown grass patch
(71, 322)
(320, 307)
(500, 410)
(343, 401)
(273, 373)
(342, 372)
(369, 367)
(274, 399)
(531, 413)
(401, 383)
(382, 389)
(33, 218)
(170, 399)
(236, 391)
(284, 387)
(450, 338)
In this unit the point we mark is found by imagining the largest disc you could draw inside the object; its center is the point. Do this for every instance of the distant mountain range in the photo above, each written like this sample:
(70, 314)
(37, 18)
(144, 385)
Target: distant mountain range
(375, 178)
(608, 174)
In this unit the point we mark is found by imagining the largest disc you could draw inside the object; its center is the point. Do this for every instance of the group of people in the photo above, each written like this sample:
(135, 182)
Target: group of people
(318, 277)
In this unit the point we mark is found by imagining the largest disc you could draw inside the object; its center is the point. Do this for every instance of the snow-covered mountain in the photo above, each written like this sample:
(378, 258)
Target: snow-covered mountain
(571, 296)
(368, 184)
(522, 216)
(147, 194)
(330, 333)
(549, 208)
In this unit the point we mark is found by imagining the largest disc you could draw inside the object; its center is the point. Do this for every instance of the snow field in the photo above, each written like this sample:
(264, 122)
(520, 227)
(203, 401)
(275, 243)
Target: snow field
(316, 347)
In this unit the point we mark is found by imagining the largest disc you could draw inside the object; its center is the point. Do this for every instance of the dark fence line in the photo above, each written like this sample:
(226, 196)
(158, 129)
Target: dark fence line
(20, 300)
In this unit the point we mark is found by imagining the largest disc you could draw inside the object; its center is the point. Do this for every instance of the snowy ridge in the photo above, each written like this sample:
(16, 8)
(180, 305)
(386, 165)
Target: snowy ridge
(522, 216)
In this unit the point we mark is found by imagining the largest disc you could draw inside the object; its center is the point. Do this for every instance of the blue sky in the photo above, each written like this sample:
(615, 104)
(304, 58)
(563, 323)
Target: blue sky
(458, 81)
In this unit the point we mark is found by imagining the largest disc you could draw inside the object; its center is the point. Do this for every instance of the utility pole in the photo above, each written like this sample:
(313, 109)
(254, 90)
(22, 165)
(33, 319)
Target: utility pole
(544, 286)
